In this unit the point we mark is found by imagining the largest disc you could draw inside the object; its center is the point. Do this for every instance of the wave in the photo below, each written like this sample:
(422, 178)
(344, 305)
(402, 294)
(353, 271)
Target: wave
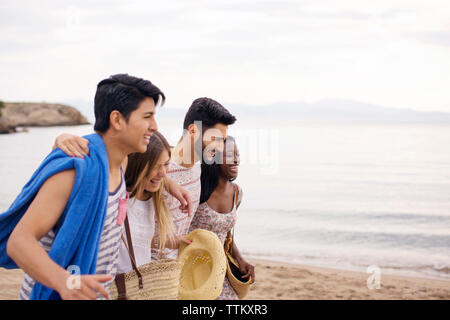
(368, 239)
(346, 214)
(434, 271)
(350, 226)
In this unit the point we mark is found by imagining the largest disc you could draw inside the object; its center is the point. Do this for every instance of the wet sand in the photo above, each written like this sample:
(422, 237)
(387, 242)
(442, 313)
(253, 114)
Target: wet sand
(275, 280)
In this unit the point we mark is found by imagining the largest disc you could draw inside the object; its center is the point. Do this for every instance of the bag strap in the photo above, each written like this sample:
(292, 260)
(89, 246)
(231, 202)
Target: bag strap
(231, 238)
(121, 286)
(236, 195)
(129, 241)
(131, 252)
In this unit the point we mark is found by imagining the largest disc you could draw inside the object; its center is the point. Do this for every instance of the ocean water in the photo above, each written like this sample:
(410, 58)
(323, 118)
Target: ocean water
(345, 197)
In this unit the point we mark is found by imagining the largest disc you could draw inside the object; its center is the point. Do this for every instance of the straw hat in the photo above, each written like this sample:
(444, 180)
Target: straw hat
(203, 266)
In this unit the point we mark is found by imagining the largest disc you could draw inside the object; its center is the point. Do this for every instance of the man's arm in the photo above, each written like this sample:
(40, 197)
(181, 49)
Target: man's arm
(76, 146)
(42, 215)
(73, 145)
(181, 195)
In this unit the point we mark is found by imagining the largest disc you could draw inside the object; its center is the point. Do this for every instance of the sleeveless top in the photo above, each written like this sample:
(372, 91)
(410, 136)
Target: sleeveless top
(109, 243)
(219, 223)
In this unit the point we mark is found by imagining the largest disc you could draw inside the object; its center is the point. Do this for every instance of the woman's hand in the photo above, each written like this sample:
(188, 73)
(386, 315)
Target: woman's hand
(175, 243)
(247, 269)
(72, 145)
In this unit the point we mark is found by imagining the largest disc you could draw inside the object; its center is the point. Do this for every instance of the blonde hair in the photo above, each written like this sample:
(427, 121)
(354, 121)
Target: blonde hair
(139, 168)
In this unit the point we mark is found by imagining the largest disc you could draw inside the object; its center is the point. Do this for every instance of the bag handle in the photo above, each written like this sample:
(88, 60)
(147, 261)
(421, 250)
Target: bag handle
(131, 252)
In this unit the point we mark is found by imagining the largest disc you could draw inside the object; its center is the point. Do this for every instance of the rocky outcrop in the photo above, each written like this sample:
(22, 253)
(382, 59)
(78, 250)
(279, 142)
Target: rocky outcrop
(26, 114)
(6, 127)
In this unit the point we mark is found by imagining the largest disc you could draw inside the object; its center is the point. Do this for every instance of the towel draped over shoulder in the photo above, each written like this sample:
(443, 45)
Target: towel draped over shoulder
(78, 231)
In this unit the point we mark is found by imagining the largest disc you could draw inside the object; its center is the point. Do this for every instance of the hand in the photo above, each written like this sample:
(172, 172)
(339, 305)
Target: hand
(175, 243)
(181, 195)
(87, 288)
(72, 145)
(247, 269)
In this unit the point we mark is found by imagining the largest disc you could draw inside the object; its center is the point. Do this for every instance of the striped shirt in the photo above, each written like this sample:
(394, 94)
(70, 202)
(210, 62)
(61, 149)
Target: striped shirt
(108, 250)
(189, 179)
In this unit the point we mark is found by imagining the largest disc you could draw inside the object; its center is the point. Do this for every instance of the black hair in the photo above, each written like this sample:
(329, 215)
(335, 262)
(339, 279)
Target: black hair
(209, 111)
(209, 178)
(123, 93)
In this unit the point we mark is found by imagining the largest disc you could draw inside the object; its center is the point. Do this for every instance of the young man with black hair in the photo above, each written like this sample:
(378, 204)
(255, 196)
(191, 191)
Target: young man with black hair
(67, 217)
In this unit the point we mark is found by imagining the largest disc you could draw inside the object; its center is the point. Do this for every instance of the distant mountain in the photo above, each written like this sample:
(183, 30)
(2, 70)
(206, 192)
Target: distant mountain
(340, 111)
(323, 111)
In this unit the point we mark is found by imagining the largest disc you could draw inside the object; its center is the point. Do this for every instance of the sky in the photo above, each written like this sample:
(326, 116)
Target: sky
(390, 53)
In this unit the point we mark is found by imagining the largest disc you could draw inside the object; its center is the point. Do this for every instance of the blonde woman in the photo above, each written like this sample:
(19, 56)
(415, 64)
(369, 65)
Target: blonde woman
(145, 181)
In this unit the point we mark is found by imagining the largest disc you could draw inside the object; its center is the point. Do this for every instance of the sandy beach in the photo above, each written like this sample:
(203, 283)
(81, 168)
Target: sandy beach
(277, 280)
(282, 281)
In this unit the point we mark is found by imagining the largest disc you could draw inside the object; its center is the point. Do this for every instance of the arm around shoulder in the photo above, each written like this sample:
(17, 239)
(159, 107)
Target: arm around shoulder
(72, 145)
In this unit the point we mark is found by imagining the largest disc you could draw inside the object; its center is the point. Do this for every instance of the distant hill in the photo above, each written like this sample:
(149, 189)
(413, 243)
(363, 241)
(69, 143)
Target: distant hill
(340, 111)
(331, 111)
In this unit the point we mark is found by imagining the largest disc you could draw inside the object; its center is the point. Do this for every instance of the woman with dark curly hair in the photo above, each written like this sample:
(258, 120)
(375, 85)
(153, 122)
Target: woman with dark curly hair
(219, 200)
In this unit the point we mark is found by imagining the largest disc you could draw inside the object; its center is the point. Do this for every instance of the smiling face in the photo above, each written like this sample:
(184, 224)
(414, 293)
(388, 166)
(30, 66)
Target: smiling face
(230, 167)
(157, 174)
(140, 126)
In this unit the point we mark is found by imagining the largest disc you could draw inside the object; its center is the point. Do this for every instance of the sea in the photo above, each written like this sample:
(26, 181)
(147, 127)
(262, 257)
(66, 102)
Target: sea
(343, 196)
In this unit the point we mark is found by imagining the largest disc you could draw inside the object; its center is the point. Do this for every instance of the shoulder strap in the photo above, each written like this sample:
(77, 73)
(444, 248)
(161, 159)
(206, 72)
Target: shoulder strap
(236, 195)
(129, 241)
(231, 232)
(131, 251)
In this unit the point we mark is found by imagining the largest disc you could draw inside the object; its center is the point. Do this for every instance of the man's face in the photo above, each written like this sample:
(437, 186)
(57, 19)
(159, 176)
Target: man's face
(141, 125)
(213, 140)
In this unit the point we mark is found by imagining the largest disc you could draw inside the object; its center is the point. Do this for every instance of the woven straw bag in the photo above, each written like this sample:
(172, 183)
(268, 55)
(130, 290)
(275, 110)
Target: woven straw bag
(234, 275)
(156, 280)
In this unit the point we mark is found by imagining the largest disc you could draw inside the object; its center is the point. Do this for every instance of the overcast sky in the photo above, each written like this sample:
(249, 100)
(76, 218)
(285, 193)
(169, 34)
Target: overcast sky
(386, 52)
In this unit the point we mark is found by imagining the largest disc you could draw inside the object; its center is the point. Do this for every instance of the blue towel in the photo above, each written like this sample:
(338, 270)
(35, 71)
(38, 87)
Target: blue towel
(78, 231)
